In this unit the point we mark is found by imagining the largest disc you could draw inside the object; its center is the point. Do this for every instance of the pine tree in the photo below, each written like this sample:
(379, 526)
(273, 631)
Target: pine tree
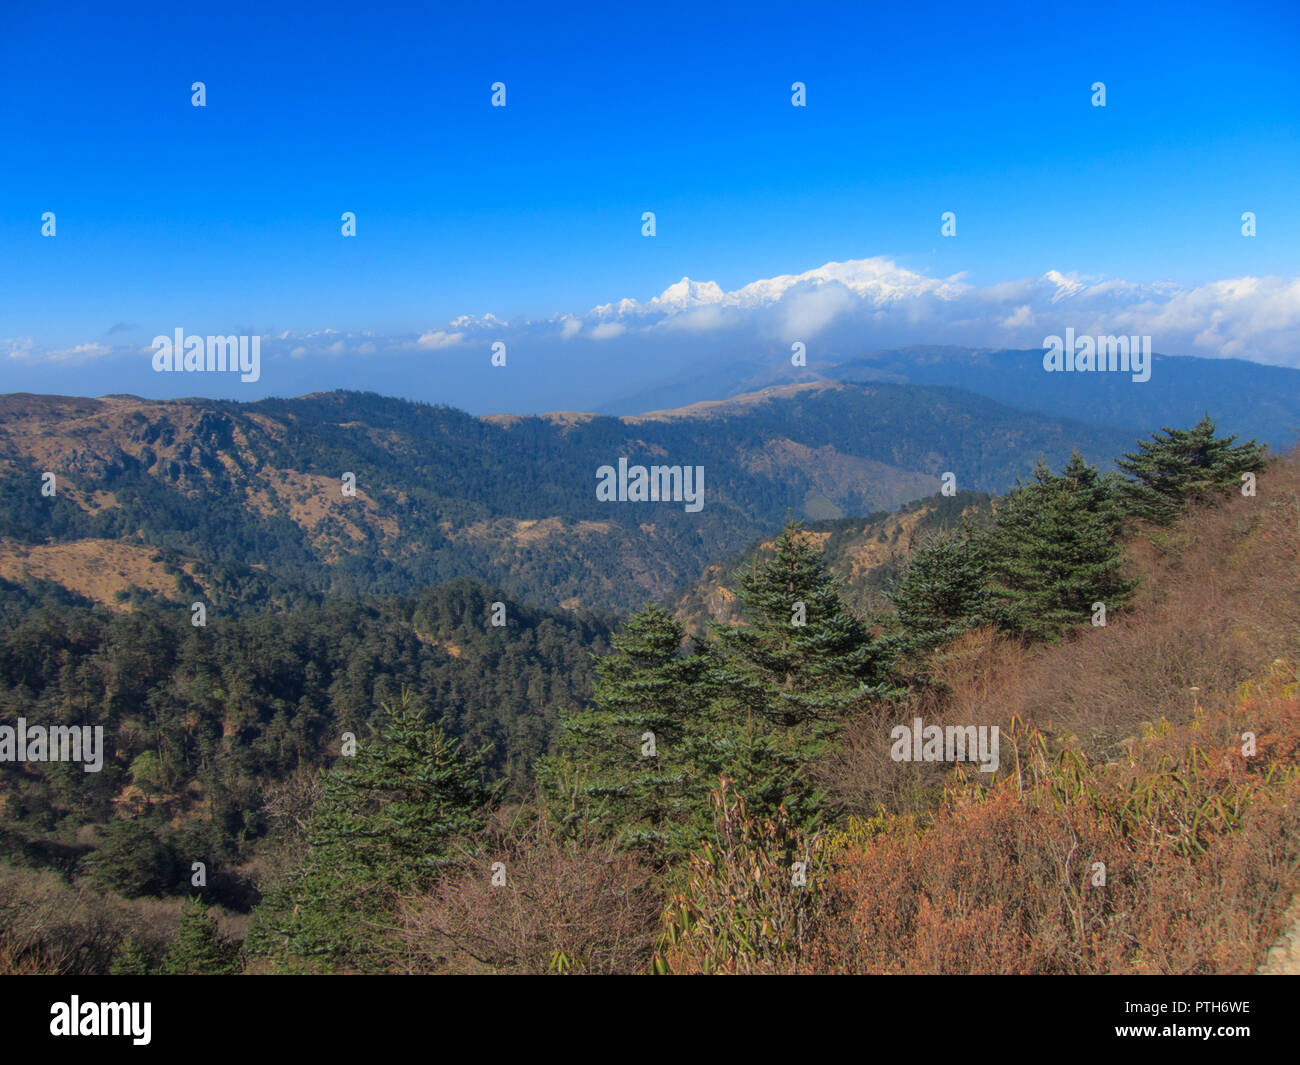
(199, 948)
(384, 825)
(791, 674)
(942, 592)
(129, 960)
(644, 749)
(802, 657)
(1182, 466)
(1054, 551)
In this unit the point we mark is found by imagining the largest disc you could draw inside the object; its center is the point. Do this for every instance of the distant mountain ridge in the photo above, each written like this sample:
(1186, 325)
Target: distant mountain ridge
(245, 502)
(1246, 398)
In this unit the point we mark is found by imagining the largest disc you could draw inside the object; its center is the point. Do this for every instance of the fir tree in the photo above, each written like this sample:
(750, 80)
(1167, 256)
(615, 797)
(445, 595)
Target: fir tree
(791, 674)
(1179, 466)
(1054, 551)
(384, 826)
(644, 749)
(129, 960)
(801, 658)
(942, 592)
(199, 948)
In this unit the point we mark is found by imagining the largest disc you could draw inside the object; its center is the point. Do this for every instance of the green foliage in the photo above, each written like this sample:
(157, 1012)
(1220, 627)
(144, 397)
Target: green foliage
(750, 899)
(1054, 551)
(791, 674)
(760, 706)
(943, 591)
(386, 822)
(646, 745)
(130, 960)
(204, 721)
(802, 659)
(135, 858)
(199, 948)
(1176, 467)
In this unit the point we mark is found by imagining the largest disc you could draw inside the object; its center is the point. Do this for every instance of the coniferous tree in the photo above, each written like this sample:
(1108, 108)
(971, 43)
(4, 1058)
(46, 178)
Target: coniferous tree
(129, 959)
(1180, 466)
(791, 674)
(199, 948)
(384, 826)
(802, 657)
(645, 750)
(942, 592)
(1054, 551)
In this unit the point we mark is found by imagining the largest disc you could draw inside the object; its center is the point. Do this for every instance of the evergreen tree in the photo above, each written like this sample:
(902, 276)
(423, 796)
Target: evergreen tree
(129, 960)
(941, 593)
(1054, 551)
(199, 948)
(1179, 466)
(791, 674)
(801, 658)
(644, 750)
(137, 857)
(384, 825)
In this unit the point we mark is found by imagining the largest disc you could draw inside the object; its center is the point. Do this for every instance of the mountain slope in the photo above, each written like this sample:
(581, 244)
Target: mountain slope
(245, 503)
(1245, 397)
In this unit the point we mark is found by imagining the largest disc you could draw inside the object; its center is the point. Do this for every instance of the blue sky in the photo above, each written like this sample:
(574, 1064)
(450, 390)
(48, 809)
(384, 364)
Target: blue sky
(227, 217)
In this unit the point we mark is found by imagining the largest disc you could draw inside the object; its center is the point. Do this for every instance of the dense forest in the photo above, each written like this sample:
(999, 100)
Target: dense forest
(203, 720)
(397, 784)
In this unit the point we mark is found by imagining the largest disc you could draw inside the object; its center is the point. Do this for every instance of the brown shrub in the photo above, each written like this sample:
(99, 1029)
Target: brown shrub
(1200, 846)
(567, 906)
(50, 926)
(1219, 595)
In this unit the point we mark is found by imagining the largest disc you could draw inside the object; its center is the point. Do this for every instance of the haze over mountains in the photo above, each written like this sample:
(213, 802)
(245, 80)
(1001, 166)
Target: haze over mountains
(696, 341)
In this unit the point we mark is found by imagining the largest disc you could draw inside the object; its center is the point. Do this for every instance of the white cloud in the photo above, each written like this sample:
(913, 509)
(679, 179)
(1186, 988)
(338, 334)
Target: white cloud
(1021, 316)
(863, 304)
(79, 353)
(18, 347)
(809, 311)
(437, 339)
(1249, 317)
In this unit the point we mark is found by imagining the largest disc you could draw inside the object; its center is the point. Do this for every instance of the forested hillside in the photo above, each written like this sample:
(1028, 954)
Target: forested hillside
(735, 800)
(243, 505)
(202, 724)
(868, 553)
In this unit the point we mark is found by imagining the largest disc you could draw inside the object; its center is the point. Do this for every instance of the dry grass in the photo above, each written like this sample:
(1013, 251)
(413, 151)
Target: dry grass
(1200, 844)
(567, 906)
(1219, 598)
